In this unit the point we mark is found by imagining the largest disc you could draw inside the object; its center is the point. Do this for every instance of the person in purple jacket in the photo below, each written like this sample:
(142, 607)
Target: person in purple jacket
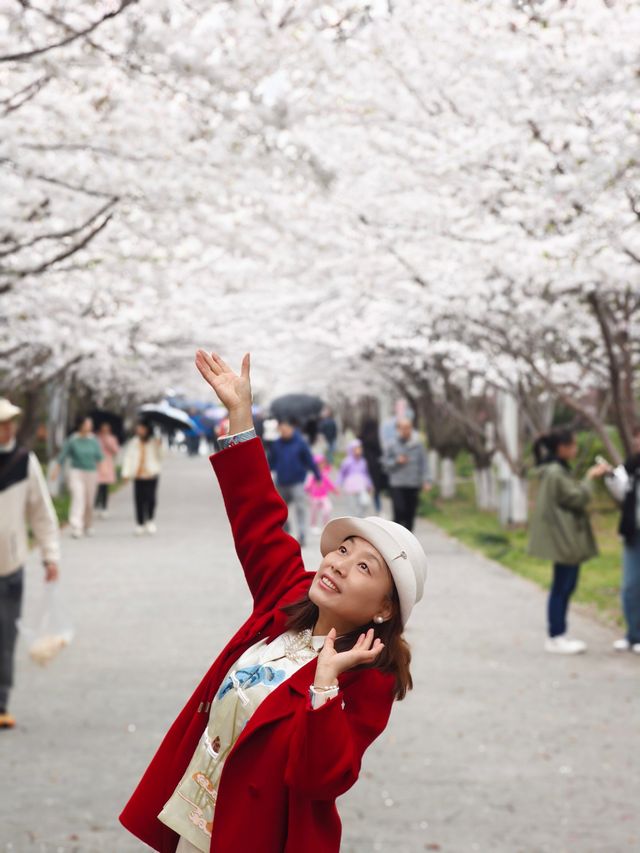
(354, 479)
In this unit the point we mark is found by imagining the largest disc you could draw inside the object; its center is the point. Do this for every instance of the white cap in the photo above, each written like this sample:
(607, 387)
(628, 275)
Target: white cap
(401, 550)
(7, 410)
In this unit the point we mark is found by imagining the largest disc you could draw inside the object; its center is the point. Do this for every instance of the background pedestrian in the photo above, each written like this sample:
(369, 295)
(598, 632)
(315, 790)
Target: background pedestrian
(84, 453)
(142, 462)
(354, 480)
(629, 529)
(24, 503)
(106, 468)
(328, 427)
(319, 492)
(291, 460)
(405, 461)
(560, 529)
(372, 451)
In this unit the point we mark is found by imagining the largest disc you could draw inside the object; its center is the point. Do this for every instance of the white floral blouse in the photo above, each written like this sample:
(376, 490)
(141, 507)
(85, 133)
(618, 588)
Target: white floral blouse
(263, 667)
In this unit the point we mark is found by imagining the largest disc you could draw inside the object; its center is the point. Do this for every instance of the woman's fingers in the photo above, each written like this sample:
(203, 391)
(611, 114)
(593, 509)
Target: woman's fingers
(221, 363)
(246, 366)
(210, 362)
(329, 639)
(208, 369)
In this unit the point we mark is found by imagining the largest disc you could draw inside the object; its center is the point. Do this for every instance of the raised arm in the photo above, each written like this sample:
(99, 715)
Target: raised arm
(270, 558)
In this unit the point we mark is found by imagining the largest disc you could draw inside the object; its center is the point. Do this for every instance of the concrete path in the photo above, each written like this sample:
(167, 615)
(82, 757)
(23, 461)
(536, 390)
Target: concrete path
(499, 749)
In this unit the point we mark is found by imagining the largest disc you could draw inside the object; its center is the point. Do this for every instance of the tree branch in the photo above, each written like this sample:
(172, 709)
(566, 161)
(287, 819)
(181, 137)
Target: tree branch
(73, 34)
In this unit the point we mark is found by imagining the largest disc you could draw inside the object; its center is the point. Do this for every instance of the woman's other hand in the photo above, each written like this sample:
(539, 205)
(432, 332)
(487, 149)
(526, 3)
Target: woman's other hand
(331, 663)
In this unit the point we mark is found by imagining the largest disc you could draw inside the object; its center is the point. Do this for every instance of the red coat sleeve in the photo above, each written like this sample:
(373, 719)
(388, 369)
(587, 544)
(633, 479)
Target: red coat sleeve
(328, 744)
(270, 558)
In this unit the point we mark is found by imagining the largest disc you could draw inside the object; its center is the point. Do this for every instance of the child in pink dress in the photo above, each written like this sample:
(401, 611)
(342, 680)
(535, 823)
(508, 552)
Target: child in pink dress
(319, 492)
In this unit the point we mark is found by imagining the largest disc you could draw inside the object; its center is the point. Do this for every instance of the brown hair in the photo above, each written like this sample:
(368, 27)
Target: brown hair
(394, 658)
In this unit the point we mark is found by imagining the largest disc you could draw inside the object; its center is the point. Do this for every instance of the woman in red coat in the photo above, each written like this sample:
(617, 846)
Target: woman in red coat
(277, 728)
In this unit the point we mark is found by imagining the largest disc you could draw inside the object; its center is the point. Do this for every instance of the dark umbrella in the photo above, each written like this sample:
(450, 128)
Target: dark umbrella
(116, 422)
(300, 407)
(166, 416)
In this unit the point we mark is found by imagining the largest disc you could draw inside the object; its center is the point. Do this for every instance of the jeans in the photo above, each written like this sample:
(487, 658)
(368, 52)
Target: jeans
(631, 588)
(565, 580)
(144, 494)
(405, 505)
(294, 494)
(11, 587)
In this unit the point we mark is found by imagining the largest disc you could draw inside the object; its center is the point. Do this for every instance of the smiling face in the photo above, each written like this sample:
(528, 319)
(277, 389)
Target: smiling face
(351, 587)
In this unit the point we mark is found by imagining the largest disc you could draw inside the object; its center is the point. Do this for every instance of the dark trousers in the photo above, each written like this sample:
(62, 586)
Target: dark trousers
(11, 587)
(405, 505)
(144, 494)
(102, 496)
(565, 580)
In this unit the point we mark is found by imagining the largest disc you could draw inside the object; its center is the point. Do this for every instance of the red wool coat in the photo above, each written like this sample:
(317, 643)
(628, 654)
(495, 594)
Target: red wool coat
(279, 784)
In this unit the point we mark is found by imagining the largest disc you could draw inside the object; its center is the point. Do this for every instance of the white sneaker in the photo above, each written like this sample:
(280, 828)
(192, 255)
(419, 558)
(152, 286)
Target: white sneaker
(150, 527)
(139, 530)
(77, 534)
(622, 645)
(635, 648)
(563, 645)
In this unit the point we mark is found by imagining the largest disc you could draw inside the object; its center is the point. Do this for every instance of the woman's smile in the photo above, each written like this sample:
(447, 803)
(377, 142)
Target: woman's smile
(326, 582)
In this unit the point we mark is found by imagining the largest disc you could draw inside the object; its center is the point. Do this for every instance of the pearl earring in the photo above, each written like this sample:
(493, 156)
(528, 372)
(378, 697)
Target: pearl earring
(378, 619)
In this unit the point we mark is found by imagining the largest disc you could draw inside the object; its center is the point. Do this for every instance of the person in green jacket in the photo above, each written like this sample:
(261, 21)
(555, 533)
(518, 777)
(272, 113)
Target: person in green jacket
(560, 528)
(83, 451)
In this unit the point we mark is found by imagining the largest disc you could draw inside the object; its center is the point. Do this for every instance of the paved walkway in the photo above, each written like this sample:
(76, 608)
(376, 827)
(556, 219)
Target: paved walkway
(499, 749)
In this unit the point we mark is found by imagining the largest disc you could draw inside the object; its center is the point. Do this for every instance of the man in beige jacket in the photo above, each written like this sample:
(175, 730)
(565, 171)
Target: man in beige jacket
(24, 503)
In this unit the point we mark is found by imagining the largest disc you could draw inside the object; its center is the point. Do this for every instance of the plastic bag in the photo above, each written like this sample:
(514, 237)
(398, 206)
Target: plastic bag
(51, 629)
(617, 483)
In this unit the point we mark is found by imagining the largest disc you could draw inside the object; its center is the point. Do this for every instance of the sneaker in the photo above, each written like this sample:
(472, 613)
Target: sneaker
(150, 527)
(7, 721)
(139, 530)
(635, 648)
(77, 534)
(622, 645)
(563, 645)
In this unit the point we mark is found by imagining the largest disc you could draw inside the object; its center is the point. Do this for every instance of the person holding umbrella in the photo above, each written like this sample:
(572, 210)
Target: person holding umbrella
(142, 462)
(277, 728)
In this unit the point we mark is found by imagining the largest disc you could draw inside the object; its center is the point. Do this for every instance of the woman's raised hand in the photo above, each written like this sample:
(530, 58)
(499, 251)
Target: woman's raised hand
(233, 390)
(331, 663)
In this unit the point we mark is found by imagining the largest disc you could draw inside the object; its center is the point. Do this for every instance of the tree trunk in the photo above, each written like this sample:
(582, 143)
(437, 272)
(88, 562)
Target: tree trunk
(484, 488)
(433, 458)
(519, 506)
(30, 405)
(447, 478)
